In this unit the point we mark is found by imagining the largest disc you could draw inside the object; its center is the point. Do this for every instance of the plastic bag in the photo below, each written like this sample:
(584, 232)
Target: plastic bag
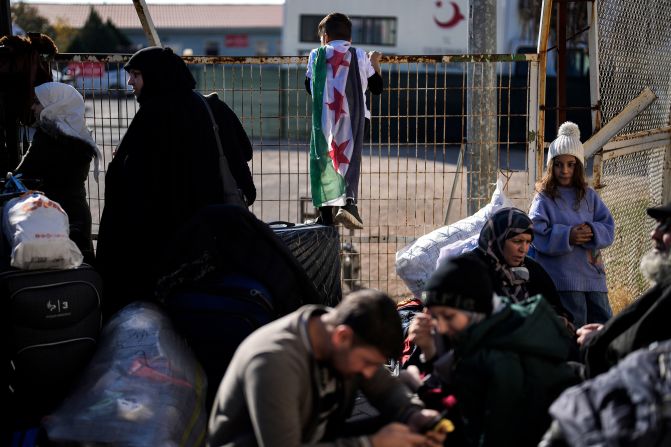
(38, 231)
(417, 261)
(143, 387)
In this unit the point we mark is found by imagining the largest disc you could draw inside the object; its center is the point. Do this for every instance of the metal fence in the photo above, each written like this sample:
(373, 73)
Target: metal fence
(633, 38)
(416, 160)
(419, 169)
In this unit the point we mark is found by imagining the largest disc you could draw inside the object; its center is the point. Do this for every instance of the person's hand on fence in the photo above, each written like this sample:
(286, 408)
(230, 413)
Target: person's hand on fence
(375, 57)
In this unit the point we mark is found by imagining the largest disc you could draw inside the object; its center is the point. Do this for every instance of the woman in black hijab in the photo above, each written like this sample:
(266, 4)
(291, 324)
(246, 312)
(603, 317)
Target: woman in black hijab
(165, 169)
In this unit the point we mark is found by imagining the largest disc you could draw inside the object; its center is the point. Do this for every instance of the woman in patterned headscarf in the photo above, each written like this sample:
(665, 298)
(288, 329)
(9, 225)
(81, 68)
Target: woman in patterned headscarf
(503, 245)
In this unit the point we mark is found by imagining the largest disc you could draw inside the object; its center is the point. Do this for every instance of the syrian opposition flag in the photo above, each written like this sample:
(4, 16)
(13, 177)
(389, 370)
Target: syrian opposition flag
(331, 143)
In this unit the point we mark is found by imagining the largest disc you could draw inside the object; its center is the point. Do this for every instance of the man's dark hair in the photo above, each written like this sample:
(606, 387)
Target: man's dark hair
(374, 320)
(337, 25)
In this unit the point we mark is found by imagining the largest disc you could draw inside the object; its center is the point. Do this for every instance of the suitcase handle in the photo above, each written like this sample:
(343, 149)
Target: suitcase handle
(281, 223)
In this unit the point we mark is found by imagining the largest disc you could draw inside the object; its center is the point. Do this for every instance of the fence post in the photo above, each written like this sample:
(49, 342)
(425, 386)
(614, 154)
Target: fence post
(147, 23)
(595, 96)
(5, 18)
(534, 149)
(481, 110)
(666, 178)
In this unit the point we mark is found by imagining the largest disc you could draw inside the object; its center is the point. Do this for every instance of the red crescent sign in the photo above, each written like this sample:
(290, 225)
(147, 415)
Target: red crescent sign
(457, 17)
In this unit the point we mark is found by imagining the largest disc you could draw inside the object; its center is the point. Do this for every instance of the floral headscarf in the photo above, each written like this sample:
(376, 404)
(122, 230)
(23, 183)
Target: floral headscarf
(501, 226)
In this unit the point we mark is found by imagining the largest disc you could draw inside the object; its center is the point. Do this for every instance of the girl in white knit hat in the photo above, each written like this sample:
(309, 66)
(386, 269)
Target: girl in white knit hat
(571, 227)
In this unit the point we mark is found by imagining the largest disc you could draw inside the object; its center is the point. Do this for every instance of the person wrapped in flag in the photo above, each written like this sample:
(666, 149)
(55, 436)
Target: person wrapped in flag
(337, 77)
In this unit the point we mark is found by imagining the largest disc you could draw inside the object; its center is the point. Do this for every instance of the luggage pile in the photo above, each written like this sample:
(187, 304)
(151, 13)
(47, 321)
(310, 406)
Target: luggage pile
(52, 316)
(227, 274)
(143, 387)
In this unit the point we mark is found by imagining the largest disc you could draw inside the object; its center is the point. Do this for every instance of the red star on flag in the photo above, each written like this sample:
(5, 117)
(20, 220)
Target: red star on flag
(336, 105)
(337, 153)
(336, 60)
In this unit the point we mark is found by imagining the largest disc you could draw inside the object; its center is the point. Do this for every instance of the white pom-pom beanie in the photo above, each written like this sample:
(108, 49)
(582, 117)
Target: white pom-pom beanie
(567, 143)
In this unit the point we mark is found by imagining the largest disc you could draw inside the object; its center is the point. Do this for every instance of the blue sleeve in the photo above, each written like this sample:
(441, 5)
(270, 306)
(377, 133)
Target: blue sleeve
(603, 225)
(550, 238)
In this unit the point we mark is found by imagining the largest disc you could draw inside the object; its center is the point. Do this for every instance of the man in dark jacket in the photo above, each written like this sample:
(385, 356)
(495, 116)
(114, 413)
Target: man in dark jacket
(165, 169)
(646, 319)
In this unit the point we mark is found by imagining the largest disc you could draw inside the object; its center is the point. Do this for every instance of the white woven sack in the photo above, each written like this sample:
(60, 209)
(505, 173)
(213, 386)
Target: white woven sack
(457, 248)
(417, 261)
(38, 231)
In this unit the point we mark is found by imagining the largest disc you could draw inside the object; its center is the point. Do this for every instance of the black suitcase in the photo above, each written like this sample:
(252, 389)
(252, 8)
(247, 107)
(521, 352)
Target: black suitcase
(52, 321)
(215, 315)
(317, 249)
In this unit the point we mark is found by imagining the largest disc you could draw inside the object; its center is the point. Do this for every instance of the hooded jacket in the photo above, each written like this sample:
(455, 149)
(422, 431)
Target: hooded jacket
(508, 369)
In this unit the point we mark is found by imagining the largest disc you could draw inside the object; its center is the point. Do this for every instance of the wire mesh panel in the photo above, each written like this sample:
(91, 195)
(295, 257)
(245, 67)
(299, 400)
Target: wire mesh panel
(634, 53)
(419, 167)
(110, 107)
(632, 182)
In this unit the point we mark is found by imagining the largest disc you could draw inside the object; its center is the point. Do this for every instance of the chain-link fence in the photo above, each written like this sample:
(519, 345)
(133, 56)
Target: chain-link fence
(416, 159)
(634, 40)
(634, 52)
(632, 182)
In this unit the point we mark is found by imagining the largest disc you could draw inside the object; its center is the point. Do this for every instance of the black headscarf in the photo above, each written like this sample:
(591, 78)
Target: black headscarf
(163, 73)
(501, 226)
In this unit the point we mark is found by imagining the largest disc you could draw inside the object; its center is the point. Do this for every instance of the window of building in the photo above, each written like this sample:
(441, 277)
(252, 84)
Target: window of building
(365, 30)
(212, 48)
(261, 47)
(308, 31)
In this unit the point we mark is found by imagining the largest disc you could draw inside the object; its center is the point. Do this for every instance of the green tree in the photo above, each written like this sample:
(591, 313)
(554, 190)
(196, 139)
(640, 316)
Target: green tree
(29, 19)
(123, 42)
(64, 33)
(98, 37)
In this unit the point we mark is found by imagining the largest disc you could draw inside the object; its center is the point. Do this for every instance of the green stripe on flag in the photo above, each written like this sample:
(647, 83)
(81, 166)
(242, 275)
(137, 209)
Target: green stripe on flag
(327, 184)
